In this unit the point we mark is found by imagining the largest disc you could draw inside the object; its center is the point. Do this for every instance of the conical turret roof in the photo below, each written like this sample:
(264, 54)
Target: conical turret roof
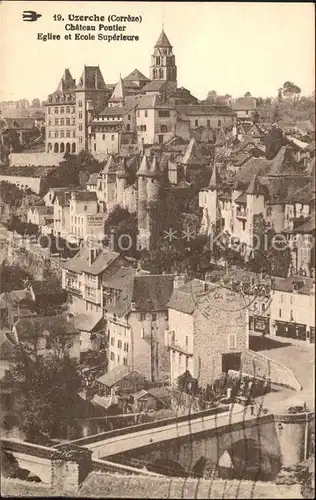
(122, 170)
(110, 165)
(221, 138)
(154, 170)
(118, 94)
(163, 41)
(67, 82)
(254, 187)
(213, 184)
(144, 167)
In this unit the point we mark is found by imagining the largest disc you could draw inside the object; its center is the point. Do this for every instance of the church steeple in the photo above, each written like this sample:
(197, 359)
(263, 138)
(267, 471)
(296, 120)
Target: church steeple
(163, 65)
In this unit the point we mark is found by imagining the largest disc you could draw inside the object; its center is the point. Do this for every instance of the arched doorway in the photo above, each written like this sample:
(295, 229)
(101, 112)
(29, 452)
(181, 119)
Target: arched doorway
(68, 147)
(62, 147)
(56, 147)
(167, 468)
(247, 459)
(49, 147)
(73, 147)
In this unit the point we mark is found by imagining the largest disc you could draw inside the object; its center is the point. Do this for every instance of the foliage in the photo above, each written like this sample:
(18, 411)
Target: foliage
(48, 388)
(31, 229)
(247, 94)
(71, 169)
(13, 277)
(273, 255)
(10, 194)
(120, 229)
(291, 88)
(273, 142)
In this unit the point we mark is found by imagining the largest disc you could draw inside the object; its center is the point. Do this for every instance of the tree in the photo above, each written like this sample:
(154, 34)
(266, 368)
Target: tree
(13, 277)
(291, 88)
(31, 229)
(211, 97)
(47, 389)
(273, 142)
(247, 94)
(121, 230)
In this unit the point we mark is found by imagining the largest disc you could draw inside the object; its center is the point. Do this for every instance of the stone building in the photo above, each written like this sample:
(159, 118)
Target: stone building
(208, 330)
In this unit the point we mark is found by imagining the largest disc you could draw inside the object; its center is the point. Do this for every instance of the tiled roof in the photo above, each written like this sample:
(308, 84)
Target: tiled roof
(80, 262)
(244, 104)
(121, 279)
(193, 155)
(63, 197)
(42, 209)
(137, 76)
(119, 92)
(115, 111)
(203, 109)
(308, 226)
(29, 327)
(22, 123)
(288, 189)
(305, 284)
(242, 198)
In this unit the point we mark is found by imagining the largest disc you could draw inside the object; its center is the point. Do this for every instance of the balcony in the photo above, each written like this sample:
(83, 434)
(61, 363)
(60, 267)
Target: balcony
(242, 213)
(76, 290)
(92, 295)
(174, 344)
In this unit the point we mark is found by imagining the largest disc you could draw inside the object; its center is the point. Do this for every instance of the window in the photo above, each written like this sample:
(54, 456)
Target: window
(85, 208)
(67, 121)
(103, 137)
(142, 333)
(49, 134)
(129, 117)
(62, 133)
(187, 362)
(73, 109)
(80, 140)
(74, 121)
(73, 133)
(291, 315)
(208, 123)
(146, 113)
(49, 122)
(263, 308)
(138, 113)
(269, 211)
(280, 313)
(67, 133)
(56, 111)
(61, 111)
(158, 60)
(125, 361)
(163, 114)
(56, 133)
(126, 346)
(281, 298)
(142, 316)
(186, 341)
(80, 127)
(232, 341)
(80, 114)
(119, 344)
(80, 104)
(219, 122)
(112, 340)
(48, 110)
(112, 137)
(154, 316)
(118, 358)
(112, 356)
(163, 128)
(243, 225)
(56, 121)
(94, 147)
(247, 112)
(68, 109)
(291, 299)
(196, 123)
(128, 127)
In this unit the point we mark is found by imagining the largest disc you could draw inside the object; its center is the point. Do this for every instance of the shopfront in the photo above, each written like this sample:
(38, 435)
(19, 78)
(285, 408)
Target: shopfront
(288, 330)
(259, 324)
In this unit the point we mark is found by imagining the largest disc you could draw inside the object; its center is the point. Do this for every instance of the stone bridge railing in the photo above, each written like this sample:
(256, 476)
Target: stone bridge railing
(261, 366)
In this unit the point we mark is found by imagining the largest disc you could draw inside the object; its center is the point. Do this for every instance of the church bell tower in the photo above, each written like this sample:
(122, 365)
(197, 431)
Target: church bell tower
(163, 65)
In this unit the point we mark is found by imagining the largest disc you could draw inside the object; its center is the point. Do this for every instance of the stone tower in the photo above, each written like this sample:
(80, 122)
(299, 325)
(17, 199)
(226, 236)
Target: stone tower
(163, 65)
(121, 183)
(149, 183)
(209, 202)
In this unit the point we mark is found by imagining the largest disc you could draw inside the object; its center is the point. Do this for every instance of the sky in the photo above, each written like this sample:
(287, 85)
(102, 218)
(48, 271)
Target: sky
(228, 47)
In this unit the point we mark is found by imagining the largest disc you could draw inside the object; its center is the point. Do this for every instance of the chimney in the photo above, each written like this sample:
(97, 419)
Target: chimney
(179, 280)
(92, 255)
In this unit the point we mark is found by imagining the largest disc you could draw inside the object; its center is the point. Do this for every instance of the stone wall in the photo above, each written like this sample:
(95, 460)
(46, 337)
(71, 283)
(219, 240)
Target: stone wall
(41, 159)
(32, 258)
(23, 182)
(257, 365)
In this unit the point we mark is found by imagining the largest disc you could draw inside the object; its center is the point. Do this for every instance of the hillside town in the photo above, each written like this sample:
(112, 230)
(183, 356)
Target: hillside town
(157, 261)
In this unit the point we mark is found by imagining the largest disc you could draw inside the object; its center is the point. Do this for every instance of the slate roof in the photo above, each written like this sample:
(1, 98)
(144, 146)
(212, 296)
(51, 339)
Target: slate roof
(185, 298)
(203, 109)
(67, 82)
(307, 226)
(136, 75)
(154, 86)
(288, 189)
(115, 111)
(193, 155)
(116, 375)
(163, 41)
(63, 197)
(80, 262)
(85, 196)
(287, 284)
(43, 210)
(121, 279)
(87, 322)
(36, 326)
(111, 165)
(92, 179)
(91, 78)
(118, 92)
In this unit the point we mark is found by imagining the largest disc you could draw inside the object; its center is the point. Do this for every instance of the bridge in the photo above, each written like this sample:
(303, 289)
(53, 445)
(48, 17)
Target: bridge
(226, 440)
(227, 437)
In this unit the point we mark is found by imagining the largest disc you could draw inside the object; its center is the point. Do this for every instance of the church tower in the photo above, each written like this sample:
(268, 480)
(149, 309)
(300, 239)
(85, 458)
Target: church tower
(163, 65)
